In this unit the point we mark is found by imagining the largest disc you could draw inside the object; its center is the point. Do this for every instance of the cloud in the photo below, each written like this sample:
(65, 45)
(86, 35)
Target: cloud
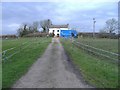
(77, 14)
(59, 0)
(10, 28)
(13, 25)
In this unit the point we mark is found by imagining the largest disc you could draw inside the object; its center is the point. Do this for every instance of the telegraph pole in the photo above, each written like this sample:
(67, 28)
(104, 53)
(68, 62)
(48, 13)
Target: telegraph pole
(94, 27)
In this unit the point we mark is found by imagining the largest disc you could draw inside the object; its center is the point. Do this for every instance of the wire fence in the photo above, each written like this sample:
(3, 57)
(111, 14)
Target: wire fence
(7, 54)
(113, 57)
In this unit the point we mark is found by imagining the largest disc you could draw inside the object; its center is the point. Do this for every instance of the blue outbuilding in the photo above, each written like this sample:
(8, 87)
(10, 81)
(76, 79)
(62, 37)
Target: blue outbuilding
(68, 33)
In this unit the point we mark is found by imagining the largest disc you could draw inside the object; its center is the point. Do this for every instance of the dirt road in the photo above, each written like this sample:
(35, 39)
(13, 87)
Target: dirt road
(52, 70)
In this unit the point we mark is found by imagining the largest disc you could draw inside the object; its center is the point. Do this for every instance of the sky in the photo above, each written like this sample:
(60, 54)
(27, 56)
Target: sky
(78, 14)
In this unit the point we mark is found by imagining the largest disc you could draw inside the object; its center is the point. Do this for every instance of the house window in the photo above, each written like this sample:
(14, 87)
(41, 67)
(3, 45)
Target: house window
(57, 30)
(57, 35)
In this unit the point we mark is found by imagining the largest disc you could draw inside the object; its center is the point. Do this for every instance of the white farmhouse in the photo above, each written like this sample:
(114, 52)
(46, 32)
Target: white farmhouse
(56, 29)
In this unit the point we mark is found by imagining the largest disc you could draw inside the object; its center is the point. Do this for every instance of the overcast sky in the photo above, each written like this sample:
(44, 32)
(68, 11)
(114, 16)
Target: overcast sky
(78, 15)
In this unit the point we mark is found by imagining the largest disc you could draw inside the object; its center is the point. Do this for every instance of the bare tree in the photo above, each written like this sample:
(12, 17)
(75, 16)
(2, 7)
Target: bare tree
(111, 25)
(35, 26)
(27, 28)
(109, 30)
(23, 30)
(19, 32)
(45, 24)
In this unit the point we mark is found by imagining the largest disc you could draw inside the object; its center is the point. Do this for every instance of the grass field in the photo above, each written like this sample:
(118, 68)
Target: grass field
(29, 50)
(10, 43)
(97, 72)
(0, 74)
(105, 44)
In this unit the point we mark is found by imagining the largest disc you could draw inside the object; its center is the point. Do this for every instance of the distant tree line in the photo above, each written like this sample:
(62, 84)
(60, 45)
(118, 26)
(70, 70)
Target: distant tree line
(38, 34)
(27, 29)
(7, 36)
(99, 35)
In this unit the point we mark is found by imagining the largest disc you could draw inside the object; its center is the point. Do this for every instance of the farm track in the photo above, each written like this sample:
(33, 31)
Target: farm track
(52, 70)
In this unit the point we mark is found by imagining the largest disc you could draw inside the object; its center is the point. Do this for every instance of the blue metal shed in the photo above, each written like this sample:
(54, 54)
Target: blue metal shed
(68, 33)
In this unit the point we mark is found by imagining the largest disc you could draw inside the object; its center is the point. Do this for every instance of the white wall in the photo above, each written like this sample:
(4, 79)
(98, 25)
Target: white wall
(55, 30)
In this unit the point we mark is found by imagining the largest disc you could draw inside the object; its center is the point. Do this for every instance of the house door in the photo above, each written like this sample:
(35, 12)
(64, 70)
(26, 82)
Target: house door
(57, 35)
(53, 33)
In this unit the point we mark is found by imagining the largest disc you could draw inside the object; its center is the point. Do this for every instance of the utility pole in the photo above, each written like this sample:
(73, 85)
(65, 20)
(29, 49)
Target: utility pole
(119, 19)
(94, 27)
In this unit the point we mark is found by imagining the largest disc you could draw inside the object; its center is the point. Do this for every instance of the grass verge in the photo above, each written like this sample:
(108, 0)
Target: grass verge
(99, 73)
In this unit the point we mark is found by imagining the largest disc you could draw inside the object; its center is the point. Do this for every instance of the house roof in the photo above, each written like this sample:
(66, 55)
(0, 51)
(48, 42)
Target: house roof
(59, 26)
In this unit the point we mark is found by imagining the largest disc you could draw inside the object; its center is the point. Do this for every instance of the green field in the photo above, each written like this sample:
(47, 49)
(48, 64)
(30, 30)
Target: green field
(10, 43)
(29, 50)
(99, 73)
(0, 75)
(0, 64)
(105, 44)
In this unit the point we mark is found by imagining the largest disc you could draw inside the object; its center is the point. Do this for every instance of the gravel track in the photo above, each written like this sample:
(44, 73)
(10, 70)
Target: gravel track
(52, 70)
